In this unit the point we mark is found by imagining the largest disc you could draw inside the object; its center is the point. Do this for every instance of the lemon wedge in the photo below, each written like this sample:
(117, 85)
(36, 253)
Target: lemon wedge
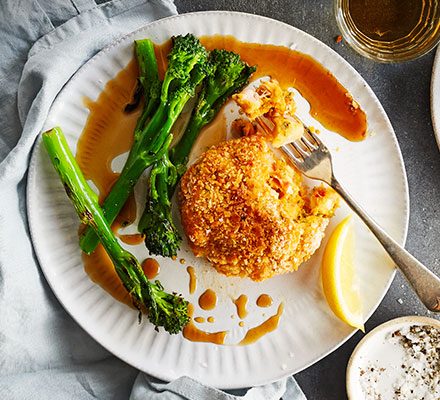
(339, 279)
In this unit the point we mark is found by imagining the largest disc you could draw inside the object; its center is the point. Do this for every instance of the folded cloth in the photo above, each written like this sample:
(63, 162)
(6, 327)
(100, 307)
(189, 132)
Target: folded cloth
(43, 352)
(186, 388)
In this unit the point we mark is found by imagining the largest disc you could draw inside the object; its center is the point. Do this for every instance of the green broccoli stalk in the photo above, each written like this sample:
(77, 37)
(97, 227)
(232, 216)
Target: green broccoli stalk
(156, 224)
(187, 63)
(167, 310)
(228, 75)
(148, 80)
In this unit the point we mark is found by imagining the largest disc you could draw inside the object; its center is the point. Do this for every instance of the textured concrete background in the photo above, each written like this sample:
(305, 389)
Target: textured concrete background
(404, 91)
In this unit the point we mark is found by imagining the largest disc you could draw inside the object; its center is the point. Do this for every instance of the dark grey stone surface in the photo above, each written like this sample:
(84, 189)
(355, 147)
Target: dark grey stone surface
(404, 91)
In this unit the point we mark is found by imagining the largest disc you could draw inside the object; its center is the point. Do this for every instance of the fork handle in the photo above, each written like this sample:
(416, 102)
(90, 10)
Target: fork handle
(425, 284)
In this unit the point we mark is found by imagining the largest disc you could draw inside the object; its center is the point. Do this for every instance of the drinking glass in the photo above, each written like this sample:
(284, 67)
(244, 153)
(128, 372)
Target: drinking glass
(389, 30)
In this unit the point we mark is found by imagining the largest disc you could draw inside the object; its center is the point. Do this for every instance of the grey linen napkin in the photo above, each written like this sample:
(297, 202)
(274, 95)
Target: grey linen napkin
(43, 352)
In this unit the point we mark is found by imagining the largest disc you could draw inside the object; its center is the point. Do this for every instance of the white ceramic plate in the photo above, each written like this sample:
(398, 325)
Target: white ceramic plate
(435, 96)
(371, 170)
(380, 363)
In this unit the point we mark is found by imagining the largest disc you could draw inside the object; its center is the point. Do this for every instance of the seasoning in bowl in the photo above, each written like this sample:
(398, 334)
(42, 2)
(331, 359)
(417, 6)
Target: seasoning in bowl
(398, 360)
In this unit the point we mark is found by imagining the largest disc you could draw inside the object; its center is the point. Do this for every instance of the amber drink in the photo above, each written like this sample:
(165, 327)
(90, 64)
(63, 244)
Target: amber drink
(390, 30)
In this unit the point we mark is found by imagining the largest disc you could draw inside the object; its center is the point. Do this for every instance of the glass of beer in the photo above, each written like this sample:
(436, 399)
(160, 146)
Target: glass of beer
(389, 30)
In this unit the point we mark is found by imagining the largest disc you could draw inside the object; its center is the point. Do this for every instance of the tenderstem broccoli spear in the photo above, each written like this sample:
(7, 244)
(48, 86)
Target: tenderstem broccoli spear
(149, 81)
(228, 75)
(164, 309)
(156, 224)
(187, 63)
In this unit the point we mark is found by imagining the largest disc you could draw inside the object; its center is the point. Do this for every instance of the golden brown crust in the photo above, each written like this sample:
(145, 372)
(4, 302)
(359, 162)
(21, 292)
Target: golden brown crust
(247, 212)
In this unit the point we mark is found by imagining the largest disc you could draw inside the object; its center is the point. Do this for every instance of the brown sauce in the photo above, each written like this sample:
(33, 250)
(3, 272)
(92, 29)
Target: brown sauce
(194, 334)
(100, 269)
(192, 280)
(267, 326)
(132, 239)
(126, 216)
(199, 320)
(179, 126)
(388, 20)
(211, 320)
(108, 131)
(240, 303)
(212, 134)
(208, 300)
(330, 102)
(161, 51)
(264, 300)
(150, 267)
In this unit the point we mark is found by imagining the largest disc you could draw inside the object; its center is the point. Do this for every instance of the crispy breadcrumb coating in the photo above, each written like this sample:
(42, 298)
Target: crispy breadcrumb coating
(248, 212)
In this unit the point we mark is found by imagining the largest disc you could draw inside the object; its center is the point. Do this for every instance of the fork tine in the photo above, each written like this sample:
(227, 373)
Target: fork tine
(309, 146)
(300, 150)
(312, 137)
(264, 125)
(293, 154)
(308, 134)
(302, 147)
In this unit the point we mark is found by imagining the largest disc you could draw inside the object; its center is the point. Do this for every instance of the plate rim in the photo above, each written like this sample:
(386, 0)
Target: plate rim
(104, 50)
(435, 96)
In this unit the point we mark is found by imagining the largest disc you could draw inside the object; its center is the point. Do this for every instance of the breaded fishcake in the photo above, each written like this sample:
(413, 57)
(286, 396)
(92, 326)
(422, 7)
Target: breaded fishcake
(248, 213)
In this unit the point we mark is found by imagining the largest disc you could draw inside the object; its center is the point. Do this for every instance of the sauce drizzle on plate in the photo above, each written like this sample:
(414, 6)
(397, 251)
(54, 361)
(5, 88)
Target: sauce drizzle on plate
(330, 103)
(208, 300)
(192, 279)
(151, 268)
(267, 326)
(264, 300)
(192, 333)
(240, 303)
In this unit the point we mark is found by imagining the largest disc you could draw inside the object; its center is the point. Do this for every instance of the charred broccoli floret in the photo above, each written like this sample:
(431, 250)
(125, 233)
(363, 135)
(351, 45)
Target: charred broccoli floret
(164, 309)
(227, 75)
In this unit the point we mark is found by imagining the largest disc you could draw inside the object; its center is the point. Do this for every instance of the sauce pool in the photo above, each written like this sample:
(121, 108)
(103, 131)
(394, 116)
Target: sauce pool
(208, 300)
(150, 267)
(330, 103)
(132, 239)
(264, 300)
(193, 334)
(267, 326)
(192, 279)
(240, 303)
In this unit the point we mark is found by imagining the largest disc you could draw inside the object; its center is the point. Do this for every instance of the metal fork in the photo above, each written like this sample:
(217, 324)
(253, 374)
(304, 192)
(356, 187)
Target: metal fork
(313, 159)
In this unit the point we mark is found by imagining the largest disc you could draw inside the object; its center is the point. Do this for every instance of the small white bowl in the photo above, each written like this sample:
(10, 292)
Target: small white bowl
(381, 365)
